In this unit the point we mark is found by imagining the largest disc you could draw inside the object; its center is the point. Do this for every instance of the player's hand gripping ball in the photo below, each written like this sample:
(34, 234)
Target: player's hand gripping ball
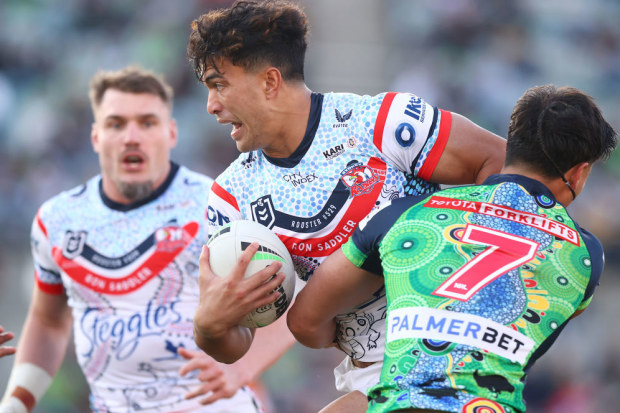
(225, 248)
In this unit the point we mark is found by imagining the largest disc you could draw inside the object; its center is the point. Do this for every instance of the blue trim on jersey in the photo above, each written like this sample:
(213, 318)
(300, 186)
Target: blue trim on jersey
(174, 168)
(316, 106)
(307, 225)
(595, 248)
(532, 186)
(50, 271)
(430, 133)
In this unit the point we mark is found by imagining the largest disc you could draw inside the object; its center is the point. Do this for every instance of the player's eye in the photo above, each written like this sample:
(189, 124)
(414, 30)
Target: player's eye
(149, 122)
(115, 125)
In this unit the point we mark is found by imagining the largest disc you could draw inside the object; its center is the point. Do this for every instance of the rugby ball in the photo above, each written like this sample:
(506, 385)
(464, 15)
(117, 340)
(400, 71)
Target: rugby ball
(225, 248)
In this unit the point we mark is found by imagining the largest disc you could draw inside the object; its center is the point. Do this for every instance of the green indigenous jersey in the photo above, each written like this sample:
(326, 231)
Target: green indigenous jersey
(480, 281)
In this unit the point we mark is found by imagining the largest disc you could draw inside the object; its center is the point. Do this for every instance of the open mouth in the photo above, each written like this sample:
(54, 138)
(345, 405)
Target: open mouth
(236, 128)
(133, 160)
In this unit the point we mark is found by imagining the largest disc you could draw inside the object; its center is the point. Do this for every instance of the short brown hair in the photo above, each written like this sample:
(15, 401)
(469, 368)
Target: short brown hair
(250, 34)
(131, 79)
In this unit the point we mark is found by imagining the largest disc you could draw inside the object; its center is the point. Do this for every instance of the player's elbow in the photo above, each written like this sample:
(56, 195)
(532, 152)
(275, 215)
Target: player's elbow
(222, 354)
(305, 330)
(226, 358)
(226, 349)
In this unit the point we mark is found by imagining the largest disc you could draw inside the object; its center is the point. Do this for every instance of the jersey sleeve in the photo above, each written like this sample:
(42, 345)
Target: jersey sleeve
(411, 133)
(222, 208)
(597, 259)
(46, 271)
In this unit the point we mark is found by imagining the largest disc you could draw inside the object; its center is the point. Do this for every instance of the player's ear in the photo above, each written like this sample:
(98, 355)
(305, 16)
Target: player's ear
(272, 80)
(578, 175)
(174, 133)
(94, 138)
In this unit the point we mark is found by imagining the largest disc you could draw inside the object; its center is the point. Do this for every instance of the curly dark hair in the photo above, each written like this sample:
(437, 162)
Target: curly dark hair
(555, 128)
(251, 34)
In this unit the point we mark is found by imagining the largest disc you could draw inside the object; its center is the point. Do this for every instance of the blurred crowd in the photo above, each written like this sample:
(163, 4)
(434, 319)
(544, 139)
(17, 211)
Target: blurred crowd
(473, 57)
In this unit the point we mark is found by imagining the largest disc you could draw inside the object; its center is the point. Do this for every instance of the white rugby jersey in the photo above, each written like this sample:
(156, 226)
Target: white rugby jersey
(130, 273)
(358, 152)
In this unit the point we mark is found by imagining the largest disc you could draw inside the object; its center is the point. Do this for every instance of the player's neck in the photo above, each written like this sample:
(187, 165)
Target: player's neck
(291, 115)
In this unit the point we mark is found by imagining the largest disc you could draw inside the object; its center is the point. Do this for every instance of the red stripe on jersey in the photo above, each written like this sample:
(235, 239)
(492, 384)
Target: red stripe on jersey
(432, 159)
(164, 252)
(357, 210)
(55, 289)
(40, 224)
(225, 195)
(384, 110)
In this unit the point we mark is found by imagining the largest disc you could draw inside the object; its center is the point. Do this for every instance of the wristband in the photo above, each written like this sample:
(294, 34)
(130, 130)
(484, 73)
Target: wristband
(27, 384)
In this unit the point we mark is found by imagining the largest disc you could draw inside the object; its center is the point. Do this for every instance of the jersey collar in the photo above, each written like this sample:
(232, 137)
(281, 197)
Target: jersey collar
(316, 106)
(174, 168)
(533, 186)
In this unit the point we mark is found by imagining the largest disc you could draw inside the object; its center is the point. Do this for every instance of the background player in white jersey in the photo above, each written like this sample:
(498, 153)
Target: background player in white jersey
(313, 166)
(502, 266)
(117, 260)
(4, 337)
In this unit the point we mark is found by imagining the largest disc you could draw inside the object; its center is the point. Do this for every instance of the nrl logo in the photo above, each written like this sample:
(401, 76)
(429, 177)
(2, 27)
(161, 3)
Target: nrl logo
(73, 244)
(263, 211)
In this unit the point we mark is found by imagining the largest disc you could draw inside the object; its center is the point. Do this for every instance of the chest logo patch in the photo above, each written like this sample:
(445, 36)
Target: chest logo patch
(360, 179)
(263, 211)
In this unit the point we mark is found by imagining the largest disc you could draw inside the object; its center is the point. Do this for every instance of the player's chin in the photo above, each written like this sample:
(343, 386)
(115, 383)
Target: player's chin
(133, 190)
(243, 146)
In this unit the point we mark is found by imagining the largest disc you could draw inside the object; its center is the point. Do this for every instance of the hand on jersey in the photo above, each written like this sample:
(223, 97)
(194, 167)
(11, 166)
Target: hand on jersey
(219, 381)
(4, 337)
(225, 301)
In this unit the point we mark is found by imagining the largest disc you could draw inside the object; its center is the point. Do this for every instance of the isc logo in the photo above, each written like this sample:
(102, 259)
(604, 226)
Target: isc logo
(415, 108)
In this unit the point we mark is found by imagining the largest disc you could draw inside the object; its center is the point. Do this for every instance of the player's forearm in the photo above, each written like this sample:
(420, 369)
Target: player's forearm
(227, 347)
(44, 342)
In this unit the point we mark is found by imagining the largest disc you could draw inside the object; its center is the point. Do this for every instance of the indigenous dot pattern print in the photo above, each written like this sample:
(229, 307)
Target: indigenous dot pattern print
(358, 153)
(480, 281)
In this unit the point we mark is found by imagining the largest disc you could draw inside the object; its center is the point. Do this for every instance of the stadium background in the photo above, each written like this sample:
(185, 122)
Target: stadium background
(473, 57)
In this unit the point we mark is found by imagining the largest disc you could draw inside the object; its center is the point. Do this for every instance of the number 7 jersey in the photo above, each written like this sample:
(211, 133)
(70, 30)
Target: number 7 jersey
(480, 282)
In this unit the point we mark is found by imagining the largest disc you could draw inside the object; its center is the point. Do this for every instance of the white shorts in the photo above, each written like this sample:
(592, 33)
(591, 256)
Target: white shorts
(350, 378)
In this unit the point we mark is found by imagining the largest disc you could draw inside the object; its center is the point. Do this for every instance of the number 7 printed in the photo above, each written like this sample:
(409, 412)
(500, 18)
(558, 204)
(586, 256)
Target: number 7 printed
(505, 252)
